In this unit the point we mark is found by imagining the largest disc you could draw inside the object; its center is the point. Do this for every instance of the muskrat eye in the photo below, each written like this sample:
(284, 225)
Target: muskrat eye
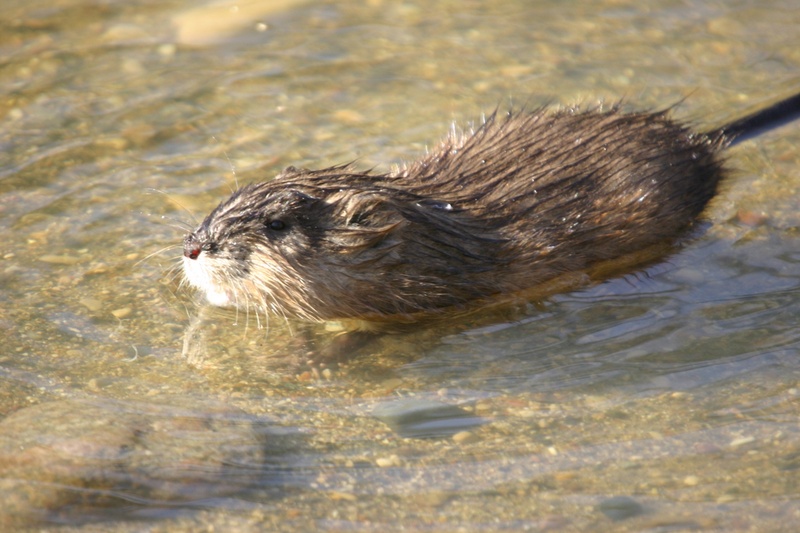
(277, 225)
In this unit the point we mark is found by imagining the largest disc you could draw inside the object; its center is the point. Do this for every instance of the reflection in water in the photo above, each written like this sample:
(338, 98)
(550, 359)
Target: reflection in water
(672, 394)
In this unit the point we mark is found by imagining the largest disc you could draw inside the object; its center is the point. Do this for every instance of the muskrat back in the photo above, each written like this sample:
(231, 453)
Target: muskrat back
(525, 198)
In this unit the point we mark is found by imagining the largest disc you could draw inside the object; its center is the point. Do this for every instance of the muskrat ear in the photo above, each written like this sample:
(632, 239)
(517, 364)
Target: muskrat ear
(293, 199)
(286, 205)
(364, 221)
(368, 210)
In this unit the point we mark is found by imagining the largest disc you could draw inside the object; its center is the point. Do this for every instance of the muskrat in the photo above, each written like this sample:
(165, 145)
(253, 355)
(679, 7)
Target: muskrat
(522, 200)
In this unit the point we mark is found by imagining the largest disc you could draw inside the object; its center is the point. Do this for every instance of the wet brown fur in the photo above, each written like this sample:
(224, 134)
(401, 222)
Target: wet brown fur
(525, 198)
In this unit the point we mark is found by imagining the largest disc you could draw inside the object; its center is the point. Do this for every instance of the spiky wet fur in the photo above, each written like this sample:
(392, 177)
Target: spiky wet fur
(524, 198)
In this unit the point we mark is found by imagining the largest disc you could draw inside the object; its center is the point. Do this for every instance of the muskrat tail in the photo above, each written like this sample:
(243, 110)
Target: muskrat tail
(762, 121)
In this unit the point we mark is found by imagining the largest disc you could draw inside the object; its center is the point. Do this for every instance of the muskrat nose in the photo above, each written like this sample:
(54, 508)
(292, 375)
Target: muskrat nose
(191, 247)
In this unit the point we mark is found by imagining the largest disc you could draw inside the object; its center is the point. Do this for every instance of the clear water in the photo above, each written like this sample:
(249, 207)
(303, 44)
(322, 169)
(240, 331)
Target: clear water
(120, 122)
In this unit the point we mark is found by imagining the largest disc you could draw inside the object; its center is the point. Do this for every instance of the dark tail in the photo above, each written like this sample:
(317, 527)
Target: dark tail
(759, 122)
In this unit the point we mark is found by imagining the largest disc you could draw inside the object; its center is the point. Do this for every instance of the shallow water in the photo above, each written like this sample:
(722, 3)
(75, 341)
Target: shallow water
(665, 400)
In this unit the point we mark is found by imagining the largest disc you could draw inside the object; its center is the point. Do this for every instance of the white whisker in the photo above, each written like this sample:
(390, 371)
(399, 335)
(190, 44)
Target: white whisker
(187, 227)
(153, 254)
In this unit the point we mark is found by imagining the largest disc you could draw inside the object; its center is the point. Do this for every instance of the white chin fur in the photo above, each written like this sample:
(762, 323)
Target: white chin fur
(197, 275)
(220, 299)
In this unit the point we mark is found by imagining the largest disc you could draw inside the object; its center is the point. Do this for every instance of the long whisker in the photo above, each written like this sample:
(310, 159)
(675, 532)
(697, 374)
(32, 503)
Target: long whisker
(174, 272)
(153, 254)
(230, 163)
(172, 199)
(177, 223)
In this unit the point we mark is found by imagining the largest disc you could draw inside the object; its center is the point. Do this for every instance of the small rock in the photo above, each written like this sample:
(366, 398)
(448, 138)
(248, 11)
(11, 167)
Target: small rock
(91, 304)
(751, 218)
(348, 116)
(741, 441)
(620, 507)
(432, 499)
(60, 259)
(122, 312)
(465, 437)
(345, 496)
(392, 460)
(411, 417)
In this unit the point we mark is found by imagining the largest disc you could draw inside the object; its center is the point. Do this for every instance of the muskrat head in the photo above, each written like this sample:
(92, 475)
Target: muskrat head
(291, 249)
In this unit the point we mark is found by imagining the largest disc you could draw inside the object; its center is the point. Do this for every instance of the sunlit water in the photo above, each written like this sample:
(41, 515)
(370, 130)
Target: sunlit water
(665, 400)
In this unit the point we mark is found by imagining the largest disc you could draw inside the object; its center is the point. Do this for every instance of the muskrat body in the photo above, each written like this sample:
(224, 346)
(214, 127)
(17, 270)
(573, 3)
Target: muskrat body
(522, 200)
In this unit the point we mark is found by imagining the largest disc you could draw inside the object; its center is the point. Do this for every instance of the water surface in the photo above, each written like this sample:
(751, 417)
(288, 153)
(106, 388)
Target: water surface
(665, 400)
